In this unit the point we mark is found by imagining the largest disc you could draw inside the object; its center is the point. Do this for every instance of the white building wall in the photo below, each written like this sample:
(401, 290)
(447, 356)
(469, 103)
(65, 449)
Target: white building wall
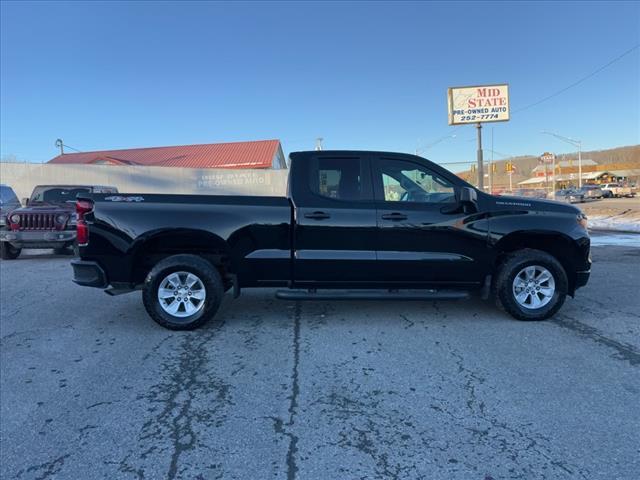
(22, 177)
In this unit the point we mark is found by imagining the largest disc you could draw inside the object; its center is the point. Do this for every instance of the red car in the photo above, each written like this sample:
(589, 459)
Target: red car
(48, 220)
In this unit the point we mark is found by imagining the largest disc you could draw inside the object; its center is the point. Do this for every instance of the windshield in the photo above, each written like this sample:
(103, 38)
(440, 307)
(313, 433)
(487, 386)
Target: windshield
(7, 195)
(57, 194)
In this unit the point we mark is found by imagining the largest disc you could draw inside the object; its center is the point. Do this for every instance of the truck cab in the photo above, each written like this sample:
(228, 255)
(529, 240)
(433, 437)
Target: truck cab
(383, 219)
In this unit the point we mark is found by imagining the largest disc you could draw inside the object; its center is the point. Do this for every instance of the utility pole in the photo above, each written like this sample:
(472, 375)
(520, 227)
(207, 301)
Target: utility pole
(480, 161)
(579, 163)
(553, 190)
(319, 143)
(60, 145)
(491, 166)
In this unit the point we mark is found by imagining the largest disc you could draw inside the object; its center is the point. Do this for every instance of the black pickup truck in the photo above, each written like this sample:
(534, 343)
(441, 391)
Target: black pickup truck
(354, 225)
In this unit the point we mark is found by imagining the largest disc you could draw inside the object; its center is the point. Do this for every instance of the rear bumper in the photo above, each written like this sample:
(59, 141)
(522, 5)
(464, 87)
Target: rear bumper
(37, 238)
(89, 274)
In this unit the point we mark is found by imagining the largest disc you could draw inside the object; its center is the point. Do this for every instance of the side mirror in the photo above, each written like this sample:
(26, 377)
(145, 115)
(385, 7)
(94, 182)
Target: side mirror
(467, 196)
(25, 202)
(466, 199)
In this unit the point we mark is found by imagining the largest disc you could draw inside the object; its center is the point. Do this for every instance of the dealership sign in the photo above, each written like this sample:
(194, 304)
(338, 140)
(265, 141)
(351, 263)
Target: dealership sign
(484, 103)
(547, 158)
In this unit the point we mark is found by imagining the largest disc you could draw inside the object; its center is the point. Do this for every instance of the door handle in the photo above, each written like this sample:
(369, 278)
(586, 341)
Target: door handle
(317, 215)
(394, 216)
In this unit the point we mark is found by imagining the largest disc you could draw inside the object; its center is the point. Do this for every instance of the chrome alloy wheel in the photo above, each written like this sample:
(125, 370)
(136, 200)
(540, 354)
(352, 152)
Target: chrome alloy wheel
(533, 287)
(181, 294)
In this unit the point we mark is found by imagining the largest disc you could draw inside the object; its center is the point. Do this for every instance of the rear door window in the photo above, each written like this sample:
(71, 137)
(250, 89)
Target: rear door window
(343, 179)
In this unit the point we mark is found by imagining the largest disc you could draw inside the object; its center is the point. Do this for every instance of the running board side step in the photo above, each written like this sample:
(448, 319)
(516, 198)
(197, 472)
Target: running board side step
(371, 294)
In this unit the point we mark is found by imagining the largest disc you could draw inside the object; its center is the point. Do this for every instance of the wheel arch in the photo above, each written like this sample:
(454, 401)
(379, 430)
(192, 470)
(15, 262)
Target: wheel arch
(562, 247)
(153, 248)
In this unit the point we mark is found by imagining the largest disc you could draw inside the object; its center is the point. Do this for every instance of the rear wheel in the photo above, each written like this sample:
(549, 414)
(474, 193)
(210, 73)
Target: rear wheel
(531, 285)
(8, 251)
(182, 292)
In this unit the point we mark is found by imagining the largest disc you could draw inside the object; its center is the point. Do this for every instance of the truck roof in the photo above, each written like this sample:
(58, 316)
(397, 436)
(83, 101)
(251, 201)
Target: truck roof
(65, 185)
(305, 154)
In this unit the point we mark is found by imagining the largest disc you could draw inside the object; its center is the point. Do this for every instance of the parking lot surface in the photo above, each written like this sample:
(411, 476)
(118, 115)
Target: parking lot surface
(92, 388)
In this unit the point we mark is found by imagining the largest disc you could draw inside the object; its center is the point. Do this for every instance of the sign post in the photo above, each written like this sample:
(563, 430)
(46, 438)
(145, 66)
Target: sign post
(478, 104)
(479, 158)
(546, 158)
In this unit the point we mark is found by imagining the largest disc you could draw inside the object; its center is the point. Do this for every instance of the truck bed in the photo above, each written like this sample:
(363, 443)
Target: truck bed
(237, 225)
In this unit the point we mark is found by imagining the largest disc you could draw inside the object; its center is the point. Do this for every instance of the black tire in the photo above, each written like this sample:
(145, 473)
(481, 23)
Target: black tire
(514, 264)
(204, 270)
(8, 251)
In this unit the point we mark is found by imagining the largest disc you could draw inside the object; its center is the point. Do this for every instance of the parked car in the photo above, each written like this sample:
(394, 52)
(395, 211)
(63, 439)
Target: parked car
(351, 222)
(8, 202)
(569, 195)
(48, 220)
(610, 190)
(530, 193)
(591, 192)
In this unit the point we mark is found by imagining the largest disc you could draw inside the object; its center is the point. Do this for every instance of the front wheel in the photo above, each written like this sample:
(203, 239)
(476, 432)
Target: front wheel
(182, 292)
(531, 285)
(8, 251)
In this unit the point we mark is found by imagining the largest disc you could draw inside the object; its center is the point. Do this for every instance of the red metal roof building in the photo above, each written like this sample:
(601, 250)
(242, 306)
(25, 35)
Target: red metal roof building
(265, 154)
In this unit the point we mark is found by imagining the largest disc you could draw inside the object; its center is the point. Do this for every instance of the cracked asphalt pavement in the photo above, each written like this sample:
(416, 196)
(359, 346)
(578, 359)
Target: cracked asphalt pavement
(91, 388)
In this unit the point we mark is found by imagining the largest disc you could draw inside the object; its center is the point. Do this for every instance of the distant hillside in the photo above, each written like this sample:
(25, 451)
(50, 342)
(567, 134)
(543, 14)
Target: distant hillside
(524, 164)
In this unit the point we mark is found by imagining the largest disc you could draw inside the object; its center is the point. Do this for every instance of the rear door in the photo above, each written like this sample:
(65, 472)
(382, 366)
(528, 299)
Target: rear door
(423, 239)
(335, 221)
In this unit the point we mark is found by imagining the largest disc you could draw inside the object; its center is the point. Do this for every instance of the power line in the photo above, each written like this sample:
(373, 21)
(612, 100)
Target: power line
(578, 82)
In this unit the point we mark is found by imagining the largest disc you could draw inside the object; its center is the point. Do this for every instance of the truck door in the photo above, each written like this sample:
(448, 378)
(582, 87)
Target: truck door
(335, 221)
(422, 238)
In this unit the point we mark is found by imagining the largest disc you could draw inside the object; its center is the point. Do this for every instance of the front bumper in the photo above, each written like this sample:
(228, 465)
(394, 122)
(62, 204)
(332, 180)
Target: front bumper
(37, 238)
(582, 278)
(89, 274)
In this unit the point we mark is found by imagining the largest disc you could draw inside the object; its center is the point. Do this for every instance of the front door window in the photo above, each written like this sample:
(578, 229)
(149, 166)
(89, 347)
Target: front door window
(410, 182)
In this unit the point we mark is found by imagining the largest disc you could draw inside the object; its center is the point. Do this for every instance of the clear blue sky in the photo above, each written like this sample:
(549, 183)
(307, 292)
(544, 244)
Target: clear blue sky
(361, 75)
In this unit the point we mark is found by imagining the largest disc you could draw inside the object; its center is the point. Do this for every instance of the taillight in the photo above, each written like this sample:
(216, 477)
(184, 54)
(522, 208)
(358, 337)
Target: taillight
(82, 230)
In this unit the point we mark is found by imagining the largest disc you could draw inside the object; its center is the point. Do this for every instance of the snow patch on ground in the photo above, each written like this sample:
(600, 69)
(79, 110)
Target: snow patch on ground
(615, 223)
(599, 239)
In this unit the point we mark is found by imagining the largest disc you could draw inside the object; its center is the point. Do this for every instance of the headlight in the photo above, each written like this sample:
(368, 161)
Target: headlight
(582, 220)
(15, 218)
(73, 219)
(61, 218)
(3, 220)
